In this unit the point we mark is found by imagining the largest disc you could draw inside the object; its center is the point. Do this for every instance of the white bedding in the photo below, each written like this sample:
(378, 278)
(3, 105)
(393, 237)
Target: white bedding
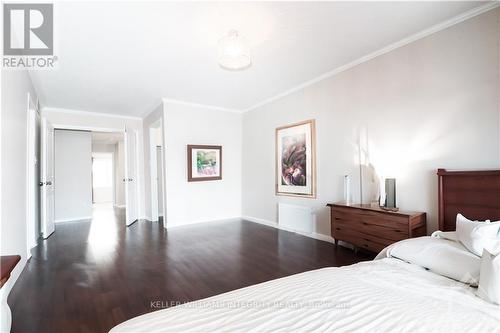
(378, 296)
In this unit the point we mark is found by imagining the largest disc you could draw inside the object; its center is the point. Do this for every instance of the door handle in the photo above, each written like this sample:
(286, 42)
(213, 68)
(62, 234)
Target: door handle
(48, 183)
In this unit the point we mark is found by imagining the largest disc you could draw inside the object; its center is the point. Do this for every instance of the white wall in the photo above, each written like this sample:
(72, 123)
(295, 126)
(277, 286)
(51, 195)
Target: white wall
(431, 104)
(66, 118)
(103, 148)
(13, 164)
(190, 202)
(73, 175)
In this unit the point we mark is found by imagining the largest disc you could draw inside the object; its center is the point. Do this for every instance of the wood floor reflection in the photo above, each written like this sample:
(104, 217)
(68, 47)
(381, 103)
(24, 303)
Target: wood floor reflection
(91, 275)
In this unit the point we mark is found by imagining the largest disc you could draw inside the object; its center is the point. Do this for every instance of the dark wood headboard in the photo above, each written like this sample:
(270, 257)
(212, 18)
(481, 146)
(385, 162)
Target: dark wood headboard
(474, 194)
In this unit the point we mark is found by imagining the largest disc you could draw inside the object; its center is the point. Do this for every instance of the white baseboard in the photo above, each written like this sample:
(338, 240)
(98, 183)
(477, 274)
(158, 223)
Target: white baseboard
(74, 219)
(325, 238)
(190, 223)
(148, 218)
(119, 206)
(261, 221)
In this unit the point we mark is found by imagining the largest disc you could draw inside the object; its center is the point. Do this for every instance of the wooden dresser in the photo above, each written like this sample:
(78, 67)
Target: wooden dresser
(373, 228)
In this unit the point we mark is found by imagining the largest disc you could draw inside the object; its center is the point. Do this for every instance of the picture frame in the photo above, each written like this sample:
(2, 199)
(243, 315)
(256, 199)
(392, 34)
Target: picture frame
(204, 163)
(296, 159)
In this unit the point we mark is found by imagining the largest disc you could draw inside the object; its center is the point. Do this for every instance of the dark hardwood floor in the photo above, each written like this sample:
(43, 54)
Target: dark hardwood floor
(90, 276)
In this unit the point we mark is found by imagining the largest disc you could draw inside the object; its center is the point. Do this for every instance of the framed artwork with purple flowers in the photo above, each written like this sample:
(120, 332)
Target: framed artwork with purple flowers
(204, 163)
(295, 159)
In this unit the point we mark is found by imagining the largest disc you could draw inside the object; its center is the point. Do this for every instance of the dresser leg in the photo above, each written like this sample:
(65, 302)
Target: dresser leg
(336, 243)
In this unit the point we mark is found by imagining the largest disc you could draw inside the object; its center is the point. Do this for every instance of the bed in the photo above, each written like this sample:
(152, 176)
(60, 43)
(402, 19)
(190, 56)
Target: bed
(387, 294)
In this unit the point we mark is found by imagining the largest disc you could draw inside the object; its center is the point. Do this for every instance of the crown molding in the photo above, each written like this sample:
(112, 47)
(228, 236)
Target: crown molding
(206, 106)
(87, 113)
(410, 39)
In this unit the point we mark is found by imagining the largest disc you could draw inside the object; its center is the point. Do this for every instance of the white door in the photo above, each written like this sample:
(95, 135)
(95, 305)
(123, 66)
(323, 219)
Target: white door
(131, 176)
(33, 220)
(47, 179)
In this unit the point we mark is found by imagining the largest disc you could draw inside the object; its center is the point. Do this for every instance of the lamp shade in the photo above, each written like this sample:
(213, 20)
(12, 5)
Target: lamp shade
(233, 52)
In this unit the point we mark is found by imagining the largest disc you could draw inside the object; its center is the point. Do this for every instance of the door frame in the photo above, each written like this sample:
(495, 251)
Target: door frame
(154, 128)
(34, 118)
(107, 130)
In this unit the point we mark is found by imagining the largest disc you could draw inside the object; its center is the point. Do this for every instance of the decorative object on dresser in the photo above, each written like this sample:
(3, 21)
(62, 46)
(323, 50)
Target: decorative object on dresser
(373, 228)
(474, 194)
(390, 195)
(295, 160)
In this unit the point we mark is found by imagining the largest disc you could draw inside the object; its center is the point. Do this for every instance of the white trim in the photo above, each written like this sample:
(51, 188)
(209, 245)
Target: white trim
(314, 235)
(151, 109)
(198, 105)
(405, 41)
(191, 223)
(118, 206)
(87, 113)
(30, 175)
(87, 128)
(147, 218)
(261, 221)
(73, 219)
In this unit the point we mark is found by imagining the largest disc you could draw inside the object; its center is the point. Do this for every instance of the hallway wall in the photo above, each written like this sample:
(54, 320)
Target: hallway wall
(73, 175)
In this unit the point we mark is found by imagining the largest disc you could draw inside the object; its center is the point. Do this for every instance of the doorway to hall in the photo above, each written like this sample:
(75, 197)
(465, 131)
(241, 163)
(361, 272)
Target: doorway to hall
(102, 178)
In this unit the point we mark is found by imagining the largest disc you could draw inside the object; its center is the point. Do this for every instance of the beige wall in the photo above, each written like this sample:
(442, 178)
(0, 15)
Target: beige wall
(431, 104)
(191, 202)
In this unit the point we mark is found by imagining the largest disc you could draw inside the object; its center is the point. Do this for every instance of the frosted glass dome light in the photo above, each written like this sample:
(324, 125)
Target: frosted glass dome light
(234, 53)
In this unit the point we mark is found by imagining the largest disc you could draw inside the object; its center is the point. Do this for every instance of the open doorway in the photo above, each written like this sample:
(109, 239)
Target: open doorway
(108, 171)
(102, 178)
(75, 184)
(156, 153)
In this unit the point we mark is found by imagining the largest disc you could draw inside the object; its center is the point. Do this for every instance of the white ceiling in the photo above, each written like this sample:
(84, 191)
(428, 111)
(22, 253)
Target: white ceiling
(122, 57)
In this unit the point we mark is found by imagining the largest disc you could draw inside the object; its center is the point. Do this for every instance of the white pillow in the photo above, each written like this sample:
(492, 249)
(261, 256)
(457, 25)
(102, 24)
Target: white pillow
(450, 235)
(441, 256)
(489, 282)
(476, 235)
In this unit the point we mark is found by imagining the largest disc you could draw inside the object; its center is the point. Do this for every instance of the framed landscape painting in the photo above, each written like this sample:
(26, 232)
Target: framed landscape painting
(295, 160)
(204, 163)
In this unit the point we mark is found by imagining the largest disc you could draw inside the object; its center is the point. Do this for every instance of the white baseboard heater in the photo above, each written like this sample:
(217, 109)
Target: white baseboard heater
(296, 218)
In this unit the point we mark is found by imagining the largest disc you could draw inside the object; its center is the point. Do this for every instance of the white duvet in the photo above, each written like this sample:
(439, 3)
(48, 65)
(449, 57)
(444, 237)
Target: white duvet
(386, 295)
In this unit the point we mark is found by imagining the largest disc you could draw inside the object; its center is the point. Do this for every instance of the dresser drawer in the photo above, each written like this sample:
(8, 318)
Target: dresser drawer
(394, 234)
(372, 228)
(360, 239)
(383, 219)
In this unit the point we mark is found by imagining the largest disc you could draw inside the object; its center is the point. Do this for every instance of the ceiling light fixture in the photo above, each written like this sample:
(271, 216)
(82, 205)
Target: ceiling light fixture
(234, 53)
